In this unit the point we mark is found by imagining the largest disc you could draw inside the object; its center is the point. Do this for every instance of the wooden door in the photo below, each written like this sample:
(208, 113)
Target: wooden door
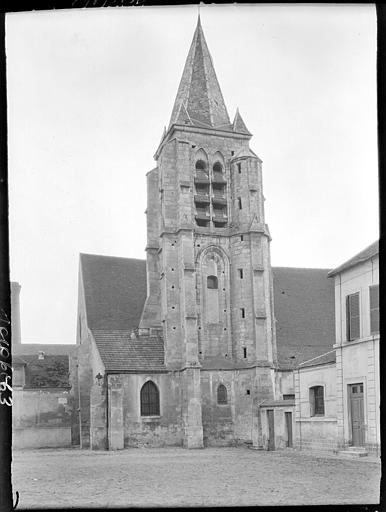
(271, 430)
(357, 414)
(288, 422)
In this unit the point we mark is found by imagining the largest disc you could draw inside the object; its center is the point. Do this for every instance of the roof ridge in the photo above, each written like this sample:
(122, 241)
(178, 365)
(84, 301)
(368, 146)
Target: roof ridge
(108, 256)
(317, 357)
(301, 268)
(365, 254)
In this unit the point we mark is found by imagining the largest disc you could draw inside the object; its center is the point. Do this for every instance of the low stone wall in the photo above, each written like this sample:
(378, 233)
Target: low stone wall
(317, 434)
(41, 437)
(152, 433)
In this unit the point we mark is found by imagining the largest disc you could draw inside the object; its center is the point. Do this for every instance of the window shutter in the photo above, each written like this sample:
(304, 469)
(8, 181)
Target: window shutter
(319, 400)
(353, 316)
(348, 317)
(374, 309)
(312, 402)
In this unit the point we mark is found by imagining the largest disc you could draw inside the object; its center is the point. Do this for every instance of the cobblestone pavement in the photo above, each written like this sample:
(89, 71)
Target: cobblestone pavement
(177, 477)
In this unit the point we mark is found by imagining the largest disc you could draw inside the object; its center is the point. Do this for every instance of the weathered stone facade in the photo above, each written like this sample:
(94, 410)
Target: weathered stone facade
(199, 345)
(228, 325)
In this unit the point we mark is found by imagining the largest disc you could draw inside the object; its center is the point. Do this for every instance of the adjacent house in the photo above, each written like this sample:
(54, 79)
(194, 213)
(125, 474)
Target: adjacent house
(337, 393)
(42, 412)
(357, 349)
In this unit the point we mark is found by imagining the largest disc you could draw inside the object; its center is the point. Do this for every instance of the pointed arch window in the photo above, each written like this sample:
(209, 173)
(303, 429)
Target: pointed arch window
(149, 399)
(222, 395)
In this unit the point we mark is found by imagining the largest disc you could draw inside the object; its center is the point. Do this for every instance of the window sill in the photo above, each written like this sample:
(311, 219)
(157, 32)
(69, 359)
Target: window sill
(150, 418)
(346, 343)
(317, 419)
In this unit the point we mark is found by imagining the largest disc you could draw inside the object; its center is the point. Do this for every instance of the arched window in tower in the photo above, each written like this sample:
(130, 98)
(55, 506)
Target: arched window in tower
(217, 168)
(212, 282)
(201, 196)
(149, 399)
(222, 395)
(219, 200)
(201, 166)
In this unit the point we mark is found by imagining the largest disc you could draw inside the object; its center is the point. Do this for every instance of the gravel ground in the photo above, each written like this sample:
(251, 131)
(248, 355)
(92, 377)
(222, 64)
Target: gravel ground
(177, 477)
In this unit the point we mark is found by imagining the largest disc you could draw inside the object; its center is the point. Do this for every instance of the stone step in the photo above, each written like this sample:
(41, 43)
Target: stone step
(353, 453)
(356, 448)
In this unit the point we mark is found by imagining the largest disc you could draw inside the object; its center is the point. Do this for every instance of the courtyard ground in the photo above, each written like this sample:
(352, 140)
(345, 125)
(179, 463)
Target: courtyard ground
(143, 477)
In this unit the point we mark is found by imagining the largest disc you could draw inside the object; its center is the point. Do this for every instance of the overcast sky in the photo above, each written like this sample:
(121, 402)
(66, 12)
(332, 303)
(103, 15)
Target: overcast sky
(89, 93)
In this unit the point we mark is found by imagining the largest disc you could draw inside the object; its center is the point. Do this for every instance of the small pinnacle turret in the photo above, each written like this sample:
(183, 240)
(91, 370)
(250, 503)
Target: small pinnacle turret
(239, 125)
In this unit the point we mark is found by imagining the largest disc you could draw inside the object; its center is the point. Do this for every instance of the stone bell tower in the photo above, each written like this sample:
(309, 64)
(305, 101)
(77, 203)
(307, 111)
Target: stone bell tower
(208, 260)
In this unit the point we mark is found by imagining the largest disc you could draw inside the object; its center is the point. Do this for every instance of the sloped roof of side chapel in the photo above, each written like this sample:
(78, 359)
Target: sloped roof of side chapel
(115, 292)
(199, 100)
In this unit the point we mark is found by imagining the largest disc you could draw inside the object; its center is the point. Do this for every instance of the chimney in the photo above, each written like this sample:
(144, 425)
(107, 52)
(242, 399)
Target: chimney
(15, 313)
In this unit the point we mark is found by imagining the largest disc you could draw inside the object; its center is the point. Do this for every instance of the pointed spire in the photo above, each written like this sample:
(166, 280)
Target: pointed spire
(199, 90)
(239, 125)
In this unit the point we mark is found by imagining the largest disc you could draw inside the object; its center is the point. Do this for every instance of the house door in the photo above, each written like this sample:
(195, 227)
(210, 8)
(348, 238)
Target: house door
(288, 422)
(271, 430)
(357, 414)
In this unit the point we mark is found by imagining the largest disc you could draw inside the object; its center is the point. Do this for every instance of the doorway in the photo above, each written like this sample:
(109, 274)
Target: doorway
(288, 422)
(357, 414)
(271, 429)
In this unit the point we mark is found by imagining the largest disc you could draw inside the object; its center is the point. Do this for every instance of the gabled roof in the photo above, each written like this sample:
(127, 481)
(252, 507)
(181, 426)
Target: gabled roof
(199, 91)
(115, 291)
(304, 307)
(368, 253)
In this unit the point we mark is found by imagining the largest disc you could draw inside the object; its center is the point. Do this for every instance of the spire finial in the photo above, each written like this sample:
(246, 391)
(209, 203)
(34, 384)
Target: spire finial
(198, 17)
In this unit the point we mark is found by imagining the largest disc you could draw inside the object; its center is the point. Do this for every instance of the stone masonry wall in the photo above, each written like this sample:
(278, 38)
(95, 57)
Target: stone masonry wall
(41, 418)
(156, 431)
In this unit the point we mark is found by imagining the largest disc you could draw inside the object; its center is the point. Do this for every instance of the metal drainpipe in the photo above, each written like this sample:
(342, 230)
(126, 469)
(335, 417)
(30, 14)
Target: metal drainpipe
(300, 411)
(107, 410)
(341, 350)
(79, 410)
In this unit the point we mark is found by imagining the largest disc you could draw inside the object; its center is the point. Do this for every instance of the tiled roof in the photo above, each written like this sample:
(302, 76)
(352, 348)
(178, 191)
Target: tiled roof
(115, 291)
(50, 372)
(362, 256)
(49, 349)
(18, 361)
(304, 312)
(328, 357)
(119, 352)
(199, 91)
